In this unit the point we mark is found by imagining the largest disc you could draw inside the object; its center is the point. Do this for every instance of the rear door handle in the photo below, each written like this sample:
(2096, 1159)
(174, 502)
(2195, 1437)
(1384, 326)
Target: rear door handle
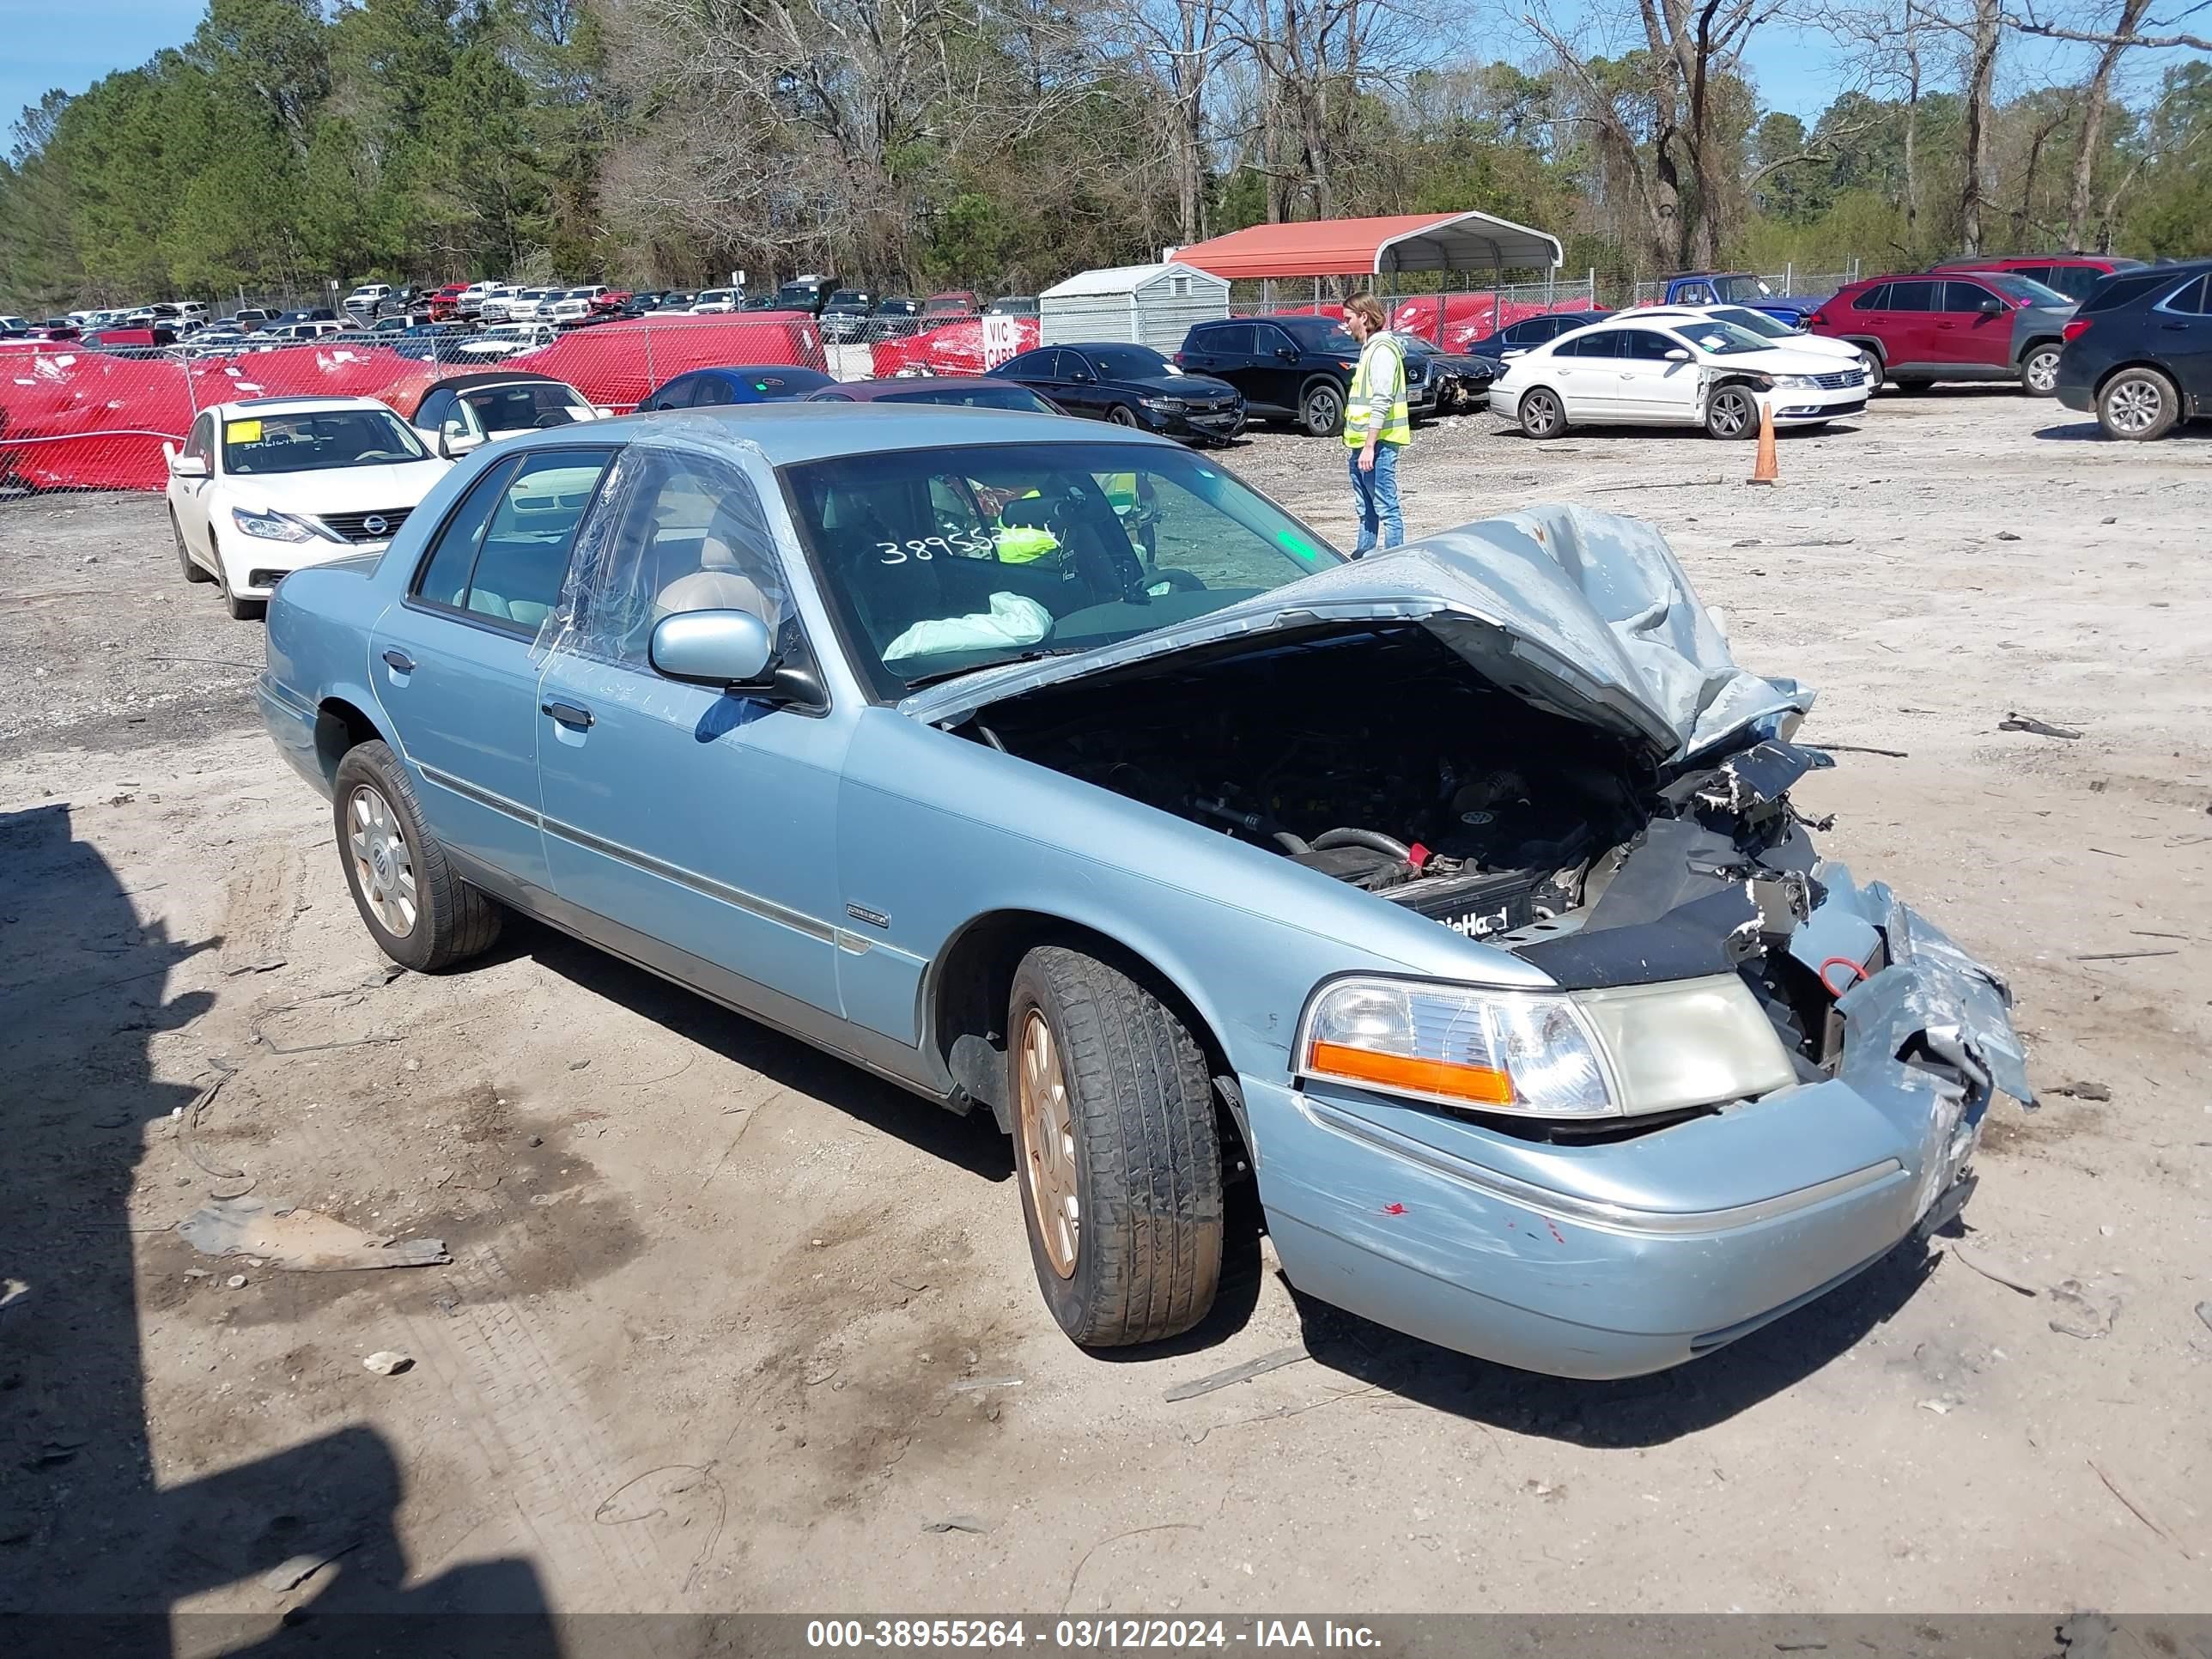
(398, 661)
(570, 714)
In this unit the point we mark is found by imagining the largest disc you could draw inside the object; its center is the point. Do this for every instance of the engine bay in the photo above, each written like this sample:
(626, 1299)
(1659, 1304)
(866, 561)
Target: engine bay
(1376, 758)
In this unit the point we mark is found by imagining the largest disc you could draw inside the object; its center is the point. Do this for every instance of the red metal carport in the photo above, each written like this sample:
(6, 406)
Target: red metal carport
(1387, 245)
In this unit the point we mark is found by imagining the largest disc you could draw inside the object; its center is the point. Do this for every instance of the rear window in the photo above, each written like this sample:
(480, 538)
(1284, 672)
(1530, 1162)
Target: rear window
(2126, 287)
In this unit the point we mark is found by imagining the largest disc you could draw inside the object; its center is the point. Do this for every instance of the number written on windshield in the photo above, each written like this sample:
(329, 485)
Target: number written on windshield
(956, 542)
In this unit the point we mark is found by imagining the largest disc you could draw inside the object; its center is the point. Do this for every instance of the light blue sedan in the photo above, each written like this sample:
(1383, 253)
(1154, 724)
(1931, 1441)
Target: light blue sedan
(1454, 896)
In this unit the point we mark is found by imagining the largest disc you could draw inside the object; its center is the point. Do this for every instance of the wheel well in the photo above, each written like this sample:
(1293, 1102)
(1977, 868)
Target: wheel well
(2040, 340)
(339, 726)
(2157, 368)
(1329, 381)
(1865, 343)
(972, 984)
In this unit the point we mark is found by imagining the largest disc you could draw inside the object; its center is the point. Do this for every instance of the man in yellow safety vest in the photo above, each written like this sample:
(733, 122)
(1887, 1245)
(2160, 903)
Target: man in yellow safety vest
(1378, 424)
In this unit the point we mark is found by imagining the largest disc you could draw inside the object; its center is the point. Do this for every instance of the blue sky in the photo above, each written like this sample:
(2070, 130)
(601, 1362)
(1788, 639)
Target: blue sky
(52, 45)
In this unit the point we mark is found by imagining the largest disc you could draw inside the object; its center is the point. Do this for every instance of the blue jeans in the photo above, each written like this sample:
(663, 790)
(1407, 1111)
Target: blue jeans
(1377, 494)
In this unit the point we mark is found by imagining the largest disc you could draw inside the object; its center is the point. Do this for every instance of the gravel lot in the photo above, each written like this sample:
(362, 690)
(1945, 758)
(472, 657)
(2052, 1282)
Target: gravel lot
(728, 1325)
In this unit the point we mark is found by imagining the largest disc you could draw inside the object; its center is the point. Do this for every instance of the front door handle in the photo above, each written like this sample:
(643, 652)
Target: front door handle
(398, 661)
(570, 714)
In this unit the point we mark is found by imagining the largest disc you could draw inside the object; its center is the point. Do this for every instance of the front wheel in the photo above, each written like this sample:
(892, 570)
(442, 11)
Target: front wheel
(419, 912)
(1876, 370)
(193, 572)
(240, 609)
(1542, 416)
(2038, 370)
(1321, 411)
(1120, 1159)
(1733, 412)
(2138, 404)
(1121, 414)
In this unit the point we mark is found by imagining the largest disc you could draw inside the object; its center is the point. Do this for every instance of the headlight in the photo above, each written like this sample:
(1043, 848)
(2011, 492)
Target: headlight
(1622, 1052)
(1165, 405)
(271, 526)
(1795, 382)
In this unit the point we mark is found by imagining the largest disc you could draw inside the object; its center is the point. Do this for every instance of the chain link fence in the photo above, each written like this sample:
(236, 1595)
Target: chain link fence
(74, 416)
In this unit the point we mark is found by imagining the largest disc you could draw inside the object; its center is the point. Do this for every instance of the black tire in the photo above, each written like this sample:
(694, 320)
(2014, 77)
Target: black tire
(1121, 414)
(2039, 369)
(193, 572)
(1320, 409)
(1542, 414)
(240, 609)
(1732, 412)
(450, 921)
(1877, 371)
(1140, 1257)
(2137, 404)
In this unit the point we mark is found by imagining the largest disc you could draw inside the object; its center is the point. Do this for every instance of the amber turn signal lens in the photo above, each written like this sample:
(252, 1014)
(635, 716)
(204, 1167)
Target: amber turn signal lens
(1475, 1084)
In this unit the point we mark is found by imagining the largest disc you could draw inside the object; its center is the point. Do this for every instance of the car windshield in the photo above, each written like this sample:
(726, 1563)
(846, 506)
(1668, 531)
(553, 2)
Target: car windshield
(317, 442)
(1720, 338)
(1757, 321)
(1126, 363)
(972, 397)
(2023, 288)
(527, 404)
(794, 296)
(1740, 289)
(940, 562)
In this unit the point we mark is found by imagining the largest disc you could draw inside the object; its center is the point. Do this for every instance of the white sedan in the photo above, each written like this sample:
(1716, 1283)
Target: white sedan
(1773, 328)
(268, 486)
(1676, 372)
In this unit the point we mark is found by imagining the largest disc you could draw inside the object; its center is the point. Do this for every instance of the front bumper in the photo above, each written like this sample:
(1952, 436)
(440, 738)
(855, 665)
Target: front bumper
(1797, 408)
(1608, 1260)
(252, 568)
(1204, 427)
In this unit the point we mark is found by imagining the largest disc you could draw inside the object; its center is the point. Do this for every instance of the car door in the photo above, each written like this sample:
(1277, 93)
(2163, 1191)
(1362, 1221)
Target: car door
(1910, 317)
(1968, 332)
(684, 818)
(1277, 368)
(2181, 336)
(1224, 351)
(454, 663)
(1586, 371)
(1040, 370)
(1654, 390)
(191, 496)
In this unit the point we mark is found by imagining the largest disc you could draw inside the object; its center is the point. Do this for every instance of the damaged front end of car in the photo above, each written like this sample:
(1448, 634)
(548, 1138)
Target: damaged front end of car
(1748, 1076)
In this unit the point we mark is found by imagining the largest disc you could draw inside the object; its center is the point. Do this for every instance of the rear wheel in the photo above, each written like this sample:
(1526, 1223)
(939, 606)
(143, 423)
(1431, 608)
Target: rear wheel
(1120, 1159)
(1542, 416)
(420, 913)
(1732, 412)
(2138, 404)
(1321, 411)
(2038, 370)
(193, 572)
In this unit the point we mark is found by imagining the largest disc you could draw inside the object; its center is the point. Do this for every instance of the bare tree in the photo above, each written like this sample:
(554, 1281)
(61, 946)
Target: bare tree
(2127, 34)
(1694, 45)
(1987, 34)
(1179, 44)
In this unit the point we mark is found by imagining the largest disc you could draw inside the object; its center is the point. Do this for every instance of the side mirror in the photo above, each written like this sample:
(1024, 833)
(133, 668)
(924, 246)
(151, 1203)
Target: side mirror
(1513, 351)
(1288, 354)
(188, 466)
(1679, 355)
(1991, 307)
(713, 647)
(455, 441)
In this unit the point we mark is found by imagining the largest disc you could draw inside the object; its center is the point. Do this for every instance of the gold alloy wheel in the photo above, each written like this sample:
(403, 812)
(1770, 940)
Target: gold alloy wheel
(1048, 1145)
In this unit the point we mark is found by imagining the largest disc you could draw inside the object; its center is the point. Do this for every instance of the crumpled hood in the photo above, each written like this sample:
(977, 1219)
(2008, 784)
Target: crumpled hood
(1583, 613)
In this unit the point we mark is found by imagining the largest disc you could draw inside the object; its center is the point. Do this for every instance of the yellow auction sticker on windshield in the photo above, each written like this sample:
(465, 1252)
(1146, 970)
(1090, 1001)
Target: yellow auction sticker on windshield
(242, 432)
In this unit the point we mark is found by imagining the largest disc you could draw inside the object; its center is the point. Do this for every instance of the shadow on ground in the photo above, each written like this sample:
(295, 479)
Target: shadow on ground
(90, 1534)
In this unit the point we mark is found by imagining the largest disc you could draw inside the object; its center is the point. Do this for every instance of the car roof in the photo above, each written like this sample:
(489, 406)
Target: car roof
(487, 377)
(790, 433)
(743, 369)
(868, 391)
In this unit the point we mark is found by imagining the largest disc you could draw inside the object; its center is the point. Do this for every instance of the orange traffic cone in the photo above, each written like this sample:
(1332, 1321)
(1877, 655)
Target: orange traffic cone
(1763, 472)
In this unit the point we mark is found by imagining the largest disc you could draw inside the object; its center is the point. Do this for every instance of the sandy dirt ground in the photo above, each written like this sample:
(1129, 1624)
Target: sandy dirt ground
(729, 1326)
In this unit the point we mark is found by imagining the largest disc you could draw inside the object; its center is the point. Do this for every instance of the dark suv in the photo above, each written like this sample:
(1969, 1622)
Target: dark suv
(1921, 328)
(1515, 338)
(1294, 368)
(2139, 351)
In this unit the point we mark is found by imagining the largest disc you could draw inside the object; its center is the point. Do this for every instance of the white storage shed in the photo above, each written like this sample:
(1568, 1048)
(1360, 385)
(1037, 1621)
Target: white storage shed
(1148, 305)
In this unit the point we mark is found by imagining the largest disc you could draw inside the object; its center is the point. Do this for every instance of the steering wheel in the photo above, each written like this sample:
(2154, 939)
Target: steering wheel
(551, 418)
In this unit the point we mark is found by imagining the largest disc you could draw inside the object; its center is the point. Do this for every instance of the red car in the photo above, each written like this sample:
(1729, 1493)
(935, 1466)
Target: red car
(1918, 327)
(2072, 274)
(948, 307)
(446, 302)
